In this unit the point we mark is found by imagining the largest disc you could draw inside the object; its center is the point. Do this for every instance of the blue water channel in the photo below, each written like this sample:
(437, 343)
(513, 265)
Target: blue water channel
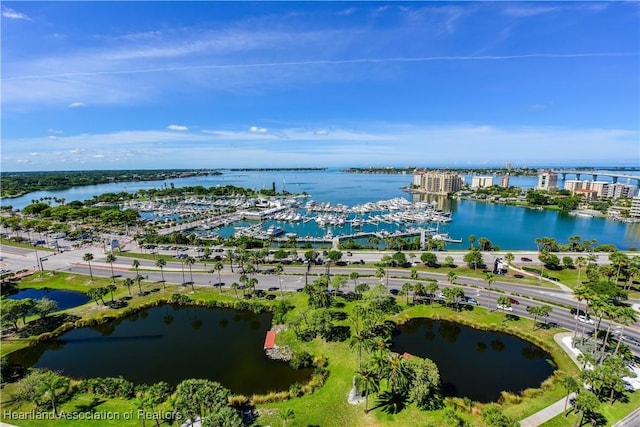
(509, 227)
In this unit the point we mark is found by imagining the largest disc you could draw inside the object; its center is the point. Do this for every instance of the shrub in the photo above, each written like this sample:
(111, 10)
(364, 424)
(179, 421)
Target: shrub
(301, 360)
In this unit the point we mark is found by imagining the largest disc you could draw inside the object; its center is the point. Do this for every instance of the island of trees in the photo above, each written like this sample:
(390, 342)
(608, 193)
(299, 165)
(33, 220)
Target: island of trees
(15, 184)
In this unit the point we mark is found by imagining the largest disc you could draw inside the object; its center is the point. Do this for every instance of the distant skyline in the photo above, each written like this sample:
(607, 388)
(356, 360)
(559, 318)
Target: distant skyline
(150, 85)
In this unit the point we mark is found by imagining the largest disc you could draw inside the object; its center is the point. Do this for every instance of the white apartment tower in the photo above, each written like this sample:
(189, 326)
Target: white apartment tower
(547, 180)
(437, 182)
(481, 181)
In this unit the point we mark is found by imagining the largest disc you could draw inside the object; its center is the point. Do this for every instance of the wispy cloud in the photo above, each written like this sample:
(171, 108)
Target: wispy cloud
(333, 62)
(12, 14)
(256, 129)
(77, 104)
(177, 127)
(367, 143)
(526, 10)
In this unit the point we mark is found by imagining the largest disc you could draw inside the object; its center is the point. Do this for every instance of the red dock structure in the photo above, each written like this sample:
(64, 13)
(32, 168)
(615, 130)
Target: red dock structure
(270, 340)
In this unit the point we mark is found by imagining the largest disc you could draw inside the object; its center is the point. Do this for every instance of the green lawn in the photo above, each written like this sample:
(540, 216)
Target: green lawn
(612, 413)
(328, 405)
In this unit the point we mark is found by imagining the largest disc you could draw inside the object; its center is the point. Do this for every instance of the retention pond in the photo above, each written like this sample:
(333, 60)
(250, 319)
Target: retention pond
(474, 363)
(171, 344)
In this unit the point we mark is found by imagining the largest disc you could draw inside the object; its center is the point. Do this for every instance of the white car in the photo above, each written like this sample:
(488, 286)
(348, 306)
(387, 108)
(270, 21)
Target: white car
(504, 307)
(584, 319)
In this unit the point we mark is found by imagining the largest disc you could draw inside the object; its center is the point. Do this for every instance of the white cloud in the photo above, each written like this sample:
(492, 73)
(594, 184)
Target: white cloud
(364, 143)
(177, 127)
(540, 106)
(256, 129)
(12, 14)
(34, 153)
(52, 137)
(321, 132)
(56, 131)
(76, 104)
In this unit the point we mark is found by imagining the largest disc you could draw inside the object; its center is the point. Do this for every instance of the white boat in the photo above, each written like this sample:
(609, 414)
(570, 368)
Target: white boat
(274, 231)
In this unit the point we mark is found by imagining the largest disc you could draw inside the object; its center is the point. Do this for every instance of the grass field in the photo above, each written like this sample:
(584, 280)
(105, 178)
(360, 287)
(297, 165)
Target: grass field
(328, 405)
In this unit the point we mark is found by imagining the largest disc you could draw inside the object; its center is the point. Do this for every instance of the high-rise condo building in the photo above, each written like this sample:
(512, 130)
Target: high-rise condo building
(481, 181)
(437, 182)
(547, 180)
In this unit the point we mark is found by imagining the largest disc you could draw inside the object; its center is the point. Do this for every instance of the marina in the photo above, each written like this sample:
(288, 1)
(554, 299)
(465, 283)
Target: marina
(281, 220)
(334, 192)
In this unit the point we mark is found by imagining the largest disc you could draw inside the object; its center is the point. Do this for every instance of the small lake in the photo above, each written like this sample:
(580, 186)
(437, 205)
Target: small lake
(171, 344)
(65, 299)
(473, 363)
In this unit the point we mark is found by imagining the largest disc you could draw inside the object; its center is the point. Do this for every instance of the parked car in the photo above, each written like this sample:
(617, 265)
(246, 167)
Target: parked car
(584, 319)
(472, 301)
(504, 307)
(525, 259)
(630, 339)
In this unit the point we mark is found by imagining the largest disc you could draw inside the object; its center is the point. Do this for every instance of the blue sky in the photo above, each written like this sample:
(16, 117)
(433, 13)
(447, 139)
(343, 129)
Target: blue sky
(119, 85)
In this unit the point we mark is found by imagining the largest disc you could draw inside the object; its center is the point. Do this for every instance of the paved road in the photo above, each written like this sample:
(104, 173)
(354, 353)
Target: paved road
(294, 278)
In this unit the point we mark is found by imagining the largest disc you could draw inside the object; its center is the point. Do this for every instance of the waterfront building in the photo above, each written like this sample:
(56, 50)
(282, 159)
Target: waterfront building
(481, 181)
(438, 182)
(504, 181)
(508, 166)
(547, 180)
(596, 189)
(635, 207)
(618, 189)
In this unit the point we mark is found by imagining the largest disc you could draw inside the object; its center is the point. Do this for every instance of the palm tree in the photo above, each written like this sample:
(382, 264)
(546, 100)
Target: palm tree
(359, 339)
(190, 261)
(160, 263)
(354, 276)
(626, 316)
(380, 273)
(139, 280)
(452, 276)
(535, 311)
(571, 385)
(599, 305)
(581, 293)
(112, 287)
(219, 266)
(418, 290)
(128, 282)
(432, 288)
(398, 373)
(509, 257)
(230, 256)
(278, 270)
(111, 258)
(50, 382)
(368, 382)
(251, 283)
(489, 278)
(414, 274)
(235, 286)
(135, 264)
(406, 288)
(579, 262)
(504, 301)
(88, 257)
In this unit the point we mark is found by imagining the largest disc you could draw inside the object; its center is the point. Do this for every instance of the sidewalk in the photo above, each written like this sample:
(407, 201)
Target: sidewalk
(547, 413)
(564, 341)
